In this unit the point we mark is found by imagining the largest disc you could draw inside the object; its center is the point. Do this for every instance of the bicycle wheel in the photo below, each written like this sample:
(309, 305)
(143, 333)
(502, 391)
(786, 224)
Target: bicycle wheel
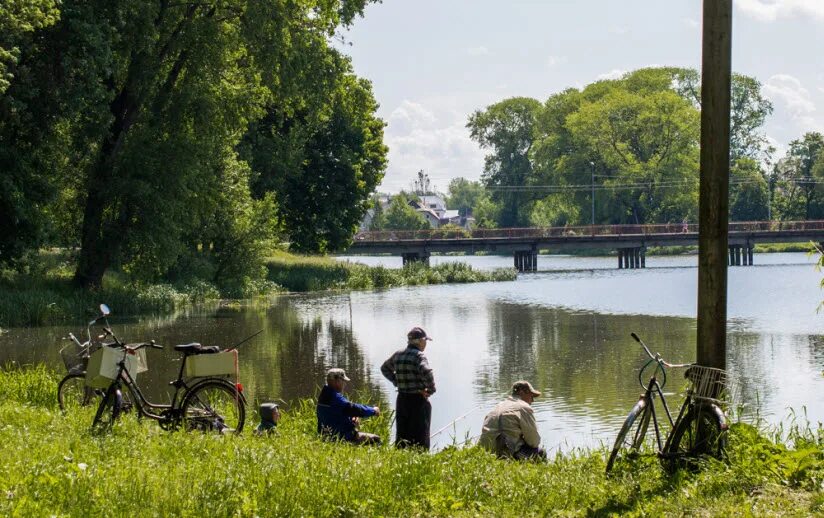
(213, 406)
(72, 393)
(108, 410)
(631, 436)
(702, 431)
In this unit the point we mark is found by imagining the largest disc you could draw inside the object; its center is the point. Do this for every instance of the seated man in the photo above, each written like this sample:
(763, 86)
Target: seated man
(509, 430)
(337, 416)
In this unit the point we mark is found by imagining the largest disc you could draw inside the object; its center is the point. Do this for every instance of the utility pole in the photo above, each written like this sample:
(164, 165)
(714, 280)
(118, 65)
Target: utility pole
(713, 205)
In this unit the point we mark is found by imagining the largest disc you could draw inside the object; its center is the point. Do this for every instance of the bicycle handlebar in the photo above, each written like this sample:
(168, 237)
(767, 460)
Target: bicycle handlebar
(136, 346)
(657, 356)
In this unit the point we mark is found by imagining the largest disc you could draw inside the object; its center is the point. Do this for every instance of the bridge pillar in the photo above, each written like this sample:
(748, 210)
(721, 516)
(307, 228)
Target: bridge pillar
(731, 258)
(415, 257)
(749, 253)
(635, 257)
(526, 260)
(737, 256)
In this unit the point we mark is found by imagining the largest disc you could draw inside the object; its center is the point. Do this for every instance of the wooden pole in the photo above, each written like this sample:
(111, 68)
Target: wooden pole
(713, 205)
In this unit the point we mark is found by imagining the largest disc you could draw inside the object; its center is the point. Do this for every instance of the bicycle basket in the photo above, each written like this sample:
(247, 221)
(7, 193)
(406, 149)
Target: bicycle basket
(712, 384)
(76, 357)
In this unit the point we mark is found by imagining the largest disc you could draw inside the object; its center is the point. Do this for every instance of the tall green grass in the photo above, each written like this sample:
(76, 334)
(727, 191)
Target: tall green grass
(51, 465)
(35, 301)
(300, 273)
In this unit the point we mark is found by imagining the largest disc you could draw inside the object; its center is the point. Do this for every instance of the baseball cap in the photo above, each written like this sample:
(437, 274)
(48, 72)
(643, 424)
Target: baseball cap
(336, 374)
(524, 385)
(416, 333)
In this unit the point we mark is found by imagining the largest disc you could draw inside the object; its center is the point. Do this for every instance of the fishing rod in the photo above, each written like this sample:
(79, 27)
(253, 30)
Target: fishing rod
(244, 340)
(456, 420)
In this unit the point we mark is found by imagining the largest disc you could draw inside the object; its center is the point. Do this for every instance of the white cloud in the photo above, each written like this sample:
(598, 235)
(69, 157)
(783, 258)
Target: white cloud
(771, 10)
(615, 73)
(555, 60)
(789, 90)
(431, 135)
(478, 51)
(790, 95)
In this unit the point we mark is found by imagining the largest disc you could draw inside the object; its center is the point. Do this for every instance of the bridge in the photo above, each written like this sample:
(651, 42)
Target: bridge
(630, 241)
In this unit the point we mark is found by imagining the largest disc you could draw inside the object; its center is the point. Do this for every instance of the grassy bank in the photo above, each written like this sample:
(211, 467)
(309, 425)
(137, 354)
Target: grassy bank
(51, 466)
(301, 273)
(45, 294)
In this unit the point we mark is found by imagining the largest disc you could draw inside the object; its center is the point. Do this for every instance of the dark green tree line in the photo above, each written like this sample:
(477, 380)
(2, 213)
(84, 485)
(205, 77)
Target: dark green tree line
(129, 128)
(627, 148)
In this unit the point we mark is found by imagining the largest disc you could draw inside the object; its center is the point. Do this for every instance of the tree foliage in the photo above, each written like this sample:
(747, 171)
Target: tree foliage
(801, 178)
(126, 129)
(628, 146)
(401, 216)
(507, 130)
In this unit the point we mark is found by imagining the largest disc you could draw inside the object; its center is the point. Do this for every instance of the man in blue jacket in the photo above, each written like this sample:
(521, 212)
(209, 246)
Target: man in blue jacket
(338, 418)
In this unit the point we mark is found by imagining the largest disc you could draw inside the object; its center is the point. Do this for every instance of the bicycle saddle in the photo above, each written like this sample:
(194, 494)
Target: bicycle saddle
(196, 348)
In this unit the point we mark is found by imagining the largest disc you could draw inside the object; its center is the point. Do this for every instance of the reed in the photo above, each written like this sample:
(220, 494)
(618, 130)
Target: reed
(303, 273)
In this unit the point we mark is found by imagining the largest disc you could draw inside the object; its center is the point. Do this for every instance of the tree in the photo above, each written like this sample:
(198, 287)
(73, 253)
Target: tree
(323, 164)
(401, 216)
(644, 143)
(636, 139)
(749, 192)
(749, 110)
(507, 130)
(378, 216)
(25, 144)
(803, 196)
(18, 20)
(137, 106)
(463, 195)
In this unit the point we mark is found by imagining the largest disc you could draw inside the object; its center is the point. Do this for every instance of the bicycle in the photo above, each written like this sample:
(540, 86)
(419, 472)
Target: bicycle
(700, 427)
(72, 391)
(209, 403)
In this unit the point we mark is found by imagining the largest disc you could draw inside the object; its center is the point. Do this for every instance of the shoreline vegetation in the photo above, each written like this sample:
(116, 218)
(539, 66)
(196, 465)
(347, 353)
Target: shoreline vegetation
(43, 294)
(53, 466)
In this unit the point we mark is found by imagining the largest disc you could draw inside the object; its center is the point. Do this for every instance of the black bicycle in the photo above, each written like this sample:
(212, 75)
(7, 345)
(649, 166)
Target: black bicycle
(701, 425)
(204, 398)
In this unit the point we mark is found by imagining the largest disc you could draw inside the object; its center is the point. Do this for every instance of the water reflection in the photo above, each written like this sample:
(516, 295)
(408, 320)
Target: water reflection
(566, 332)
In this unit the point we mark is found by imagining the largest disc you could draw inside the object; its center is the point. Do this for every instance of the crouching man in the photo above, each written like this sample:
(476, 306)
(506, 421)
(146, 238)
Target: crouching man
(509, 430)
(338, 418)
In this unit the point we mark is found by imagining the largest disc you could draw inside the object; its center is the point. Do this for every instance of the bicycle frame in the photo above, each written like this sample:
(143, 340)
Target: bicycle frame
(653, 388)
(145, 406)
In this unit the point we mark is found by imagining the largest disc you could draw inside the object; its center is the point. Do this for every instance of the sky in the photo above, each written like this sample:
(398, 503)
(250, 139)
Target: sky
(434, 62)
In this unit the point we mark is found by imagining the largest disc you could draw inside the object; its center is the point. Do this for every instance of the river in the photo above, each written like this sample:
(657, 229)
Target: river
(565, 328)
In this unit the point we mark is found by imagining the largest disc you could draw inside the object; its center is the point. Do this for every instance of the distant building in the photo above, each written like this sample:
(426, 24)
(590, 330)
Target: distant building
(432, 207)
(434, 203)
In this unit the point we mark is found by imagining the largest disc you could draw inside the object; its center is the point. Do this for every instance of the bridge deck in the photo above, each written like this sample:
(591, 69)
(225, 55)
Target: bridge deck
(588, 237)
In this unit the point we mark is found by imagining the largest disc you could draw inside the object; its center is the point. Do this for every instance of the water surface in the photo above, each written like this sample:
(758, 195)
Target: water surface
(566, 329)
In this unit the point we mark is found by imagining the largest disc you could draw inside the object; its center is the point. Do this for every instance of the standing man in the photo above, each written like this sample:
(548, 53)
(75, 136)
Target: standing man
(409, 371)
(509, 430)
(338, 418)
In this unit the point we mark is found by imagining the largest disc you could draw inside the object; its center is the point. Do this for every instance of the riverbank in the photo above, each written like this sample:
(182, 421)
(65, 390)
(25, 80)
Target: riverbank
(51, 465)
(307, 273)
(44, 294)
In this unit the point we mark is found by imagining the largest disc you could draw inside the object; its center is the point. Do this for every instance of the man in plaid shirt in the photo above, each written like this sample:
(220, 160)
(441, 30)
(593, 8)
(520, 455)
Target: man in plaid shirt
(409, 371)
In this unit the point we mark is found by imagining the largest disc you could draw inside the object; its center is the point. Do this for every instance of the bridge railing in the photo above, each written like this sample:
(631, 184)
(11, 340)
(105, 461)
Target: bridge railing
(581, 231)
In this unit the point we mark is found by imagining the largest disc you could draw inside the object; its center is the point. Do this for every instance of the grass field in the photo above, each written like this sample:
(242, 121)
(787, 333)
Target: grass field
(51, 466)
